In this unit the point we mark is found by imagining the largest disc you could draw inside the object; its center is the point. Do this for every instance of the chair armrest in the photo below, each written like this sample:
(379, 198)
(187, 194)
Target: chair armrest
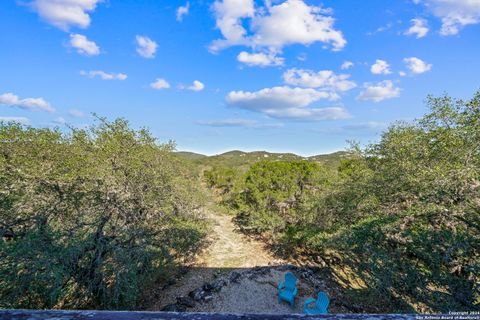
(295, 291)
(308, 302)
(281, 285)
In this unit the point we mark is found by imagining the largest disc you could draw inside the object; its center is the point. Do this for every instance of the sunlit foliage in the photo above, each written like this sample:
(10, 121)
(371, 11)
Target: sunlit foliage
(90, 217)
(403, 213)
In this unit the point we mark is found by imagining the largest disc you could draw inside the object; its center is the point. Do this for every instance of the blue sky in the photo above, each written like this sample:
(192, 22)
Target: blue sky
(283, 76)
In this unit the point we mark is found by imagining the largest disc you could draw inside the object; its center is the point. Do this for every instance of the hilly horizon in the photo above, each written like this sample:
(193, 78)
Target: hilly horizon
(236, 152)
(237, 158)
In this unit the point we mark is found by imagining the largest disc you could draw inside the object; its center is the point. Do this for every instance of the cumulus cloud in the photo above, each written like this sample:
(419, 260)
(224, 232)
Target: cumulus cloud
(324, 80)
(83, 45)
(21, 120)
(379, 92)
(246, 123)
(183, 11)
(274, 26)
(229, 15)
(32, 104)
(103, 75)
(293, 21)
(454, 14)
(76, 113)
(419, 28)
(380, 67)
(286, 103)
(196, 86)
(146, 47)
(417, 65)
(159, 84)
(346, 65)
(64, 14)
(260, 59)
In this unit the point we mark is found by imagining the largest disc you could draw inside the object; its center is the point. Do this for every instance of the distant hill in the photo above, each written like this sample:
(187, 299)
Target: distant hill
(237, 158)
(331, 159)
(338, 154)
(191, 155)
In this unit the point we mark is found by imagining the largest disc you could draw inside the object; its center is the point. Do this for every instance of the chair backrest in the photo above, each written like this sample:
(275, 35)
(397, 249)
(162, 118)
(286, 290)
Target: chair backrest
(322, 301)
(290, 281)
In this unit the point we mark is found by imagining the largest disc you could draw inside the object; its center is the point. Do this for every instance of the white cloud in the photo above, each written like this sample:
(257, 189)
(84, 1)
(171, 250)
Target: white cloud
(379, 92)
(402, 73)
(60, 121)
(419, 28)
(324, 80)
(380, 67)
(146, 47)
(276, 98)
(302, 56)
(160, 84)
(246, 123)
(286, 103)
(83, 45)
(76, 113)
(416, 65)
(366, 126)
(228, 14)
(196, 86)
(274, 26)
(32, 104)
(293, 21)
(356, 129)
(64, 14)
(454, 14)
(183, 11)
(260, 59)
(104, 75)
(21, 120)
(346, 65)
(386, 27)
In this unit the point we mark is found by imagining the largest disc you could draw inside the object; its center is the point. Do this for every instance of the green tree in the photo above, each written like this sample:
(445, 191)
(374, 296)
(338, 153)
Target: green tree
(403, 214)
(412, 206)
(90, 217)
(277, 194)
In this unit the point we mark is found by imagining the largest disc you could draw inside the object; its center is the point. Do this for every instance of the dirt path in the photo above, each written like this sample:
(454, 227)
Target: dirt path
(243, 273)
(228, 250)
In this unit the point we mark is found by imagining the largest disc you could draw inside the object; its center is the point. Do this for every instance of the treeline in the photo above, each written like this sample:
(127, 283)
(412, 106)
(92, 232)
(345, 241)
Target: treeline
(402, 215)
(90, 218)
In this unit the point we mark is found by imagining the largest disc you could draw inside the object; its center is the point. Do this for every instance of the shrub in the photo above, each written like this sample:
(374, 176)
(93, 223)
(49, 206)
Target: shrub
(88, 218)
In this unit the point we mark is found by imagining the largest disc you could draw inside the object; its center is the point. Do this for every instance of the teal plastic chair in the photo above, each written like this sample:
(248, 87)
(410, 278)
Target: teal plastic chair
(287, 290)
(321, 304)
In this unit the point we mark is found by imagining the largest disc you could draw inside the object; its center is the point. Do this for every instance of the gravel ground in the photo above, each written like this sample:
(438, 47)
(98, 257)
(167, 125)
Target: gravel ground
(229, 250)
(231, 253)
(258, 295)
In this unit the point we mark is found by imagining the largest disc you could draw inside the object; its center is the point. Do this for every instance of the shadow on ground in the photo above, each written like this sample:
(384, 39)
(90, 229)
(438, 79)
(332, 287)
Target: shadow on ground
(246, 290)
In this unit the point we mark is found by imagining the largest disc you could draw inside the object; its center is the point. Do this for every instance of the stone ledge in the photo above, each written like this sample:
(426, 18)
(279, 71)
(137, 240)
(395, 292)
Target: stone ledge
(143, 315)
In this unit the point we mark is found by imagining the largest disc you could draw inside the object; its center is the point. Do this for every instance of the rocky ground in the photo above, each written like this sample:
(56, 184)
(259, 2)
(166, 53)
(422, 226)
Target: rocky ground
(254, 290)
(236, 274)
